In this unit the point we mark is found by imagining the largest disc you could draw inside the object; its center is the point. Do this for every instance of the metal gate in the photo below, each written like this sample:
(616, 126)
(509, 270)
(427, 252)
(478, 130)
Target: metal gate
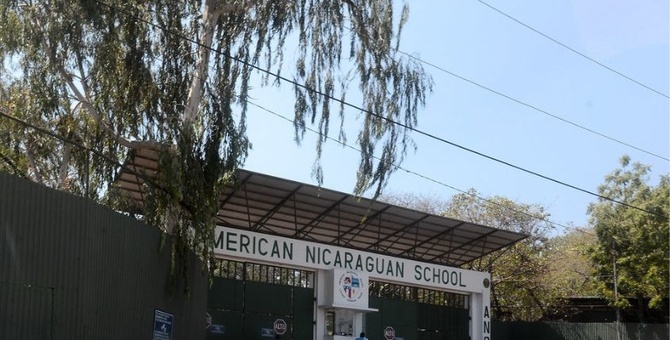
(255, 302)
(411, 313)
(442, 322)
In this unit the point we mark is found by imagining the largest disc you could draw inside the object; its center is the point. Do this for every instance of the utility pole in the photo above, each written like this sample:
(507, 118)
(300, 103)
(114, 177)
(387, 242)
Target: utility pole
(616, 293)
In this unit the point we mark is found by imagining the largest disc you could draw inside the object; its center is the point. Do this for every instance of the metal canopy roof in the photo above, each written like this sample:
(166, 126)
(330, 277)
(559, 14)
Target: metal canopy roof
(287, 208)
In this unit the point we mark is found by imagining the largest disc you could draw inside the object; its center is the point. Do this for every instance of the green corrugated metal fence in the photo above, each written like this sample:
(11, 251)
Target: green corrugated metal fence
(577, 331)
(72, 269)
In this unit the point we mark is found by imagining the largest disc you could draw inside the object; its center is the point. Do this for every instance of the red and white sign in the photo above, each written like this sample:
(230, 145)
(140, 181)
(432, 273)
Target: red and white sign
(280, 326)
(389, 333)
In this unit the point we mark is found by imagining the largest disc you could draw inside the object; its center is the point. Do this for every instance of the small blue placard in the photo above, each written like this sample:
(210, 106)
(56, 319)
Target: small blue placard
(162, 325)
(217, 329)
(267, 333)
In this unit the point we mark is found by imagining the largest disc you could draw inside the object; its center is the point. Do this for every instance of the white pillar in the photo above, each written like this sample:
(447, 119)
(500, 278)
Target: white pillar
(358, 324)
(321, 288)
(480, 312)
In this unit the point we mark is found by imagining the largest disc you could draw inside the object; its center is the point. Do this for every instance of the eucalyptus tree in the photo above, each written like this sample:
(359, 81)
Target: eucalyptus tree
(632, 238)
(174, 76)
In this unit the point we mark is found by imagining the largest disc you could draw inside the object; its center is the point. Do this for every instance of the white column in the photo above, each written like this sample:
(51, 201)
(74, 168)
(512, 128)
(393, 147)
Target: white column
(480, 312)
(476, 314)
(358, 324)
(321, 288)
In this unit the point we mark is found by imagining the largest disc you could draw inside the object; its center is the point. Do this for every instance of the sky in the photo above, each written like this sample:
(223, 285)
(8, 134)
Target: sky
(474, 41)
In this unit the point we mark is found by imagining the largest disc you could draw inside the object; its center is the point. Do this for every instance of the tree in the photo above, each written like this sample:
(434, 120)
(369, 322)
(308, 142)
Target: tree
(430, 204)
(174, 76)
(518, 292)
(632, 236)
(569, 273)
(570, 268)
(518, 289)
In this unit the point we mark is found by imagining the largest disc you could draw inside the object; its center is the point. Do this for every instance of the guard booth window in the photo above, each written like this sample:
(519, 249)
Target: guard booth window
(253, 301)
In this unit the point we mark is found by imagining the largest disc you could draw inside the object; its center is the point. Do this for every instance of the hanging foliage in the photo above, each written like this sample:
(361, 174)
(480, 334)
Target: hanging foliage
(174, 76)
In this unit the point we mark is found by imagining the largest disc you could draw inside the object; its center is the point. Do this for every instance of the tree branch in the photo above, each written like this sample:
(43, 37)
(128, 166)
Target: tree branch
(210, 16)
(30, 155)
(82, 74)
(67, 78)
(65, 163)
(98, 118)
(11, 164)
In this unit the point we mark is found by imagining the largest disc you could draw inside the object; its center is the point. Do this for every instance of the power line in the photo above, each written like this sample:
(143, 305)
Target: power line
(104, 157)
(345, 103)
(572, 49)
(414, 173)
(518, 101)
(150, 180)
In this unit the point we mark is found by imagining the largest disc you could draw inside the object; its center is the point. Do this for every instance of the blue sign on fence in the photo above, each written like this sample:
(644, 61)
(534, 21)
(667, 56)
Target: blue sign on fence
(267, 333)
(162, 325)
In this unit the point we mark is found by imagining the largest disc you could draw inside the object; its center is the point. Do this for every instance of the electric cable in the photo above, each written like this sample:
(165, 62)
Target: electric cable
(414, 173)
(356, 107)
(518, 101)
(572, 49)
(422, 176)
(533, 107)
(104, 157)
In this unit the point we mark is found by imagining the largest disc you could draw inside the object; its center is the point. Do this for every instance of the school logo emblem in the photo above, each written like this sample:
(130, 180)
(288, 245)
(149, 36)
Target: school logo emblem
(351, 286)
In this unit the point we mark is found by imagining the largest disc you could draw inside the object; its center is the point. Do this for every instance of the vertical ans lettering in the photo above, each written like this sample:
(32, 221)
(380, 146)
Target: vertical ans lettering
(487, 323)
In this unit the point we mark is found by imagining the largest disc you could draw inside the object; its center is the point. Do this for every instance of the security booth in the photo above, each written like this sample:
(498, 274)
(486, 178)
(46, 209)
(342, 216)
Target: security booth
(296, 261)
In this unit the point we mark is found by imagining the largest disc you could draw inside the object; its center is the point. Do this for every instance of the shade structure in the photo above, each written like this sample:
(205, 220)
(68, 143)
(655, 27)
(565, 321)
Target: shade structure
(277, 206)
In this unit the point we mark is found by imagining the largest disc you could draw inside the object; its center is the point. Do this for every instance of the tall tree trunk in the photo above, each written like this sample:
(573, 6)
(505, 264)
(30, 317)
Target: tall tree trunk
(210, 15)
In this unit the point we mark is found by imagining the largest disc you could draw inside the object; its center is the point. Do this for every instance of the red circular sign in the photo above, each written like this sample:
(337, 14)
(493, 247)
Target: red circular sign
(280, 326)
(389, 333)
